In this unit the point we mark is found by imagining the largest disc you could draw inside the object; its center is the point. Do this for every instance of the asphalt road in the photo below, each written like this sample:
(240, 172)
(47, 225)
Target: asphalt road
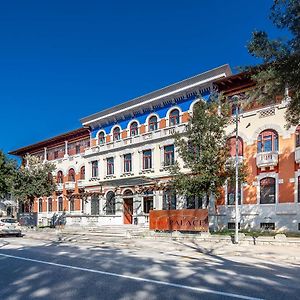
(32, 269)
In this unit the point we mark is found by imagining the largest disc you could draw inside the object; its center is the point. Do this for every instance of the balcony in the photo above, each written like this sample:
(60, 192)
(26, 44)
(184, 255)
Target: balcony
(59, 187)
(297, 155)
(81, 183)
(267, 159)
(70, 185)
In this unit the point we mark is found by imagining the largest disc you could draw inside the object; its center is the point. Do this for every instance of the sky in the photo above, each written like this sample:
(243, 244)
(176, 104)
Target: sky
(64, 60)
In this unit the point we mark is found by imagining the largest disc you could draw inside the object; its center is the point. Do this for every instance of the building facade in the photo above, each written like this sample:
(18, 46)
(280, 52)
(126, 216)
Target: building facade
(115, 169)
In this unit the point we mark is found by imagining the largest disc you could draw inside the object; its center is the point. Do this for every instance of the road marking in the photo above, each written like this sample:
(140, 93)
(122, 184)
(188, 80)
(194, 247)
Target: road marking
(196, 289)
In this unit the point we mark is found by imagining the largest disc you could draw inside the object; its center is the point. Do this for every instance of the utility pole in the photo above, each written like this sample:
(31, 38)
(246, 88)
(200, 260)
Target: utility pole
(236, 235)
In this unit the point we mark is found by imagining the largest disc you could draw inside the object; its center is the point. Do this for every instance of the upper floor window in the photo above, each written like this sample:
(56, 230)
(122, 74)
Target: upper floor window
(169, 157)
(267, 141)
(174, 117)
(231, 193)
(71, 175)
(232, 146)
(267, 190)
(95, 168)
(82, 172)
(110, 166)
(101, 138)
(117, 134)
(298, 136)
(152, 123)
(77, 149)
(55, 154)
(147, 159)
(128, 163)
(134, 130)
(60, 177)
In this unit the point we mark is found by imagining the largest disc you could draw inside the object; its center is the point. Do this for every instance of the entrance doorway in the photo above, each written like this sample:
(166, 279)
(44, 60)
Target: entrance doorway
(128, 207)
(95, 206)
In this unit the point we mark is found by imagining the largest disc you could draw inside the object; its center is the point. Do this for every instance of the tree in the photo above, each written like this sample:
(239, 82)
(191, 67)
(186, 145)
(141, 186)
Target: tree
(33, 180)
(8, 169)
(205, 153)
(280, 69)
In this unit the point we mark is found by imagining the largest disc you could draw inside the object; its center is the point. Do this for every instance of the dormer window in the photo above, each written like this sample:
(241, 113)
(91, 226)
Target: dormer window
(174, 117)
(152, 123)
(134, 130)
(117, 134)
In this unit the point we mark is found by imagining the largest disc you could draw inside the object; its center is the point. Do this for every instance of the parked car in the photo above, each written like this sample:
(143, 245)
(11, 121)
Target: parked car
(9, 226)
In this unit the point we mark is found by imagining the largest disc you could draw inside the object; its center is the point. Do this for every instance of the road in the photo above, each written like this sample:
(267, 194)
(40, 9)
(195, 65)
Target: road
(141, 269)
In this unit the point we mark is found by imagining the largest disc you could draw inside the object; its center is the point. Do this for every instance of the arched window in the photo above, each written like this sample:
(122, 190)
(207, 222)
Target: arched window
(50, 205)
(40, 205)
(152, 124)
(60, 177)
(298, 136)
(134, 129)
(101, 138)
(267, 141)
(117, 134)
(128, 193)
(174, 117)
(60, 204)
(71, 175)
(267, 190)
(82, 173)
(110, 203)
(231, 146)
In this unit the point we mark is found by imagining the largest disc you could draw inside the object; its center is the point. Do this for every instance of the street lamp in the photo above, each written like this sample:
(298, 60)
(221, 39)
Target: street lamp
(235, 99)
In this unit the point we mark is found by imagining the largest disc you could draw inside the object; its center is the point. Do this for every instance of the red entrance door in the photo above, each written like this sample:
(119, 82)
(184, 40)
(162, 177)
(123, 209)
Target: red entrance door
(128, 210)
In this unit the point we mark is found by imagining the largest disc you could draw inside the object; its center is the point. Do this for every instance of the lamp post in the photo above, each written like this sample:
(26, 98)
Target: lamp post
(236, 235)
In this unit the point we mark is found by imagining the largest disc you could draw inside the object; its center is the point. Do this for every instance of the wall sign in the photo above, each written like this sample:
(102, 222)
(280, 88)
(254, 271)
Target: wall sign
(181, 220)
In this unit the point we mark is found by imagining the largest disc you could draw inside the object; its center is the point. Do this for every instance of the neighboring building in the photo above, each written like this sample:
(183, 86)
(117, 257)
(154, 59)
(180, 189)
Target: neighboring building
(8, 206)
(116, 171)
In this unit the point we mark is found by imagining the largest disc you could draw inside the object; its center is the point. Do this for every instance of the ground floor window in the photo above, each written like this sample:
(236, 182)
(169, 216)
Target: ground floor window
(267, 226)
(169, 200)
(60, 204)
(193, 202)
(50, 205)
(267, 190)
(40, 205)
(148, 204)
(231, 225)
(95, 206)
(72, 205)
(110, 207)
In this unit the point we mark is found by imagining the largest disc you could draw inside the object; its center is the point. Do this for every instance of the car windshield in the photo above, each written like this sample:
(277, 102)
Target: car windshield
(11, 221)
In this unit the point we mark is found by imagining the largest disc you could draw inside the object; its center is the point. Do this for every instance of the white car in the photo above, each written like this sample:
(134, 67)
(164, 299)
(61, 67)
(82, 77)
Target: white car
(9, 226)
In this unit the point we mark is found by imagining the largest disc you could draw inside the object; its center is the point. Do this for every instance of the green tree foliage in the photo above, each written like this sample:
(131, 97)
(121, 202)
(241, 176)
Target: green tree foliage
(205, 153)
(33, 180)
(281, 59)
(8, 169)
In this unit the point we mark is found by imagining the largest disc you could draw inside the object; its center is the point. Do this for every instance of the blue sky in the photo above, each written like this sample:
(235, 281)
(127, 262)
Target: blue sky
(63, 60)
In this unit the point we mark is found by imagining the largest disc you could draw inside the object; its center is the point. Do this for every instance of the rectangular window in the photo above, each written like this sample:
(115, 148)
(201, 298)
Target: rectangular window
(40, 205)
(127, 163)
(60, 204)
(148, 204)
(95, 168)
(72, 205)
(169, 200)
(147, 159)
(49, 205)
(110, 166)
(77, 149)
(169, 157)
(267, 190)
(267, 226)
(55, 154)
(231, 193)
(231, 225)
(193, 202)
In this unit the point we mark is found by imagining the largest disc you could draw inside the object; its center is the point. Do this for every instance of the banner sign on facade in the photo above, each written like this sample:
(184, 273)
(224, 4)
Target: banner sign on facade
(181, 220)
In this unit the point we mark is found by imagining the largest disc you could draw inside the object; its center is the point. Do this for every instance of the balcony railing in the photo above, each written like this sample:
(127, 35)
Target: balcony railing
(81, 183)
(152, 135)
(267, 159)
(70, 185)
(297, 155)
(59, 186)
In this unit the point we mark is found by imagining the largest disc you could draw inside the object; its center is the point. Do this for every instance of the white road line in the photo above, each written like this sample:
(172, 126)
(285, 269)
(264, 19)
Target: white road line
(196, 289)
